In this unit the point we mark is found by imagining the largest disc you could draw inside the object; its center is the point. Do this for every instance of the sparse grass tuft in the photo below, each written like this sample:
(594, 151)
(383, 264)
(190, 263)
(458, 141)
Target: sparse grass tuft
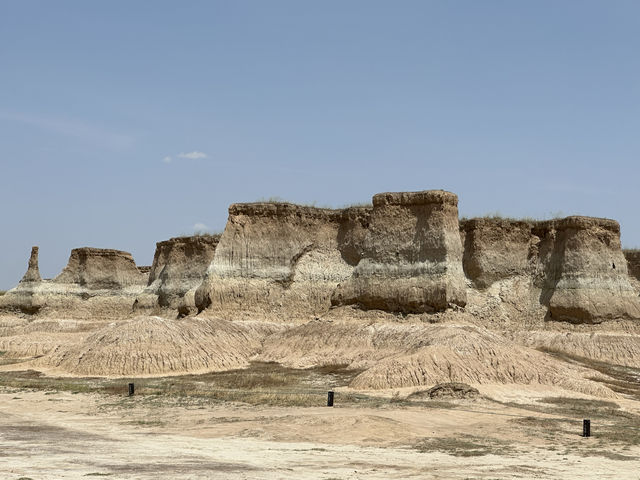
(358, 205)
(2, 292)
(499, 216)
(260, 384)
(313, 203)
(147, 423)
(201, 233)
(465, 446)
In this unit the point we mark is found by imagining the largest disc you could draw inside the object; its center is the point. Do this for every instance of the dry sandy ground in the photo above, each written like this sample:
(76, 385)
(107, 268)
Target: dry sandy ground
(60, 435)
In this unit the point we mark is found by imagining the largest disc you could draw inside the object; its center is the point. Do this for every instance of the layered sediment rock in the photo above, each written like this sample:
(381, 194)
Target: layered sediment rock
(100, 269)
(407, 253)
(589, 279)
(179, 267)
(410, 255)
(33, 271)
(21, 298)
(95, 282)
(275, 259)
(495, 249)
(574, 266)
(633, 262)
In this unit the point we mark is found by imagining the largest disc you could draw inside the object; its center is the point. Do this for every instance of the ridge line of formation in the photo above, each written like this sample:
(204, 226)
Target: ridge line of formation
(407, 253)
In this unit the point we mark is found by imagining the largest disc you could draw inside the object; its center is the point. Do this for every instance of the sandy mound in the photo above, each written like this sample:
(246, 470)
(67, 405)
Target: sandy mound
(20, 338)
(617, 348)
(156, 346)
(450, 390)
(406, 355)
(35, 344)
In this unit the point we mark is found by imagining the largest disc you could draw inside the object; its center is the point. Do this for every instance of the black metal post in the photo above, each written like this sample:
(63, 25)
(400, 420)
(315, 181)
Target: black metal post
(131, 389)
(586, 428)
(329, 399)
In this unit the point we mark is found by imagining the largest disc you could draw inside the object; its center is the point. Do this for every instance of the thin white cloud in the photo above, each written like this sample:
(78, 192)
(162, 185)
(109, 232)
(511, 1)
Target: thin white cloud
(73, 128)
(192, 155)
(167, 159)
(200, 227)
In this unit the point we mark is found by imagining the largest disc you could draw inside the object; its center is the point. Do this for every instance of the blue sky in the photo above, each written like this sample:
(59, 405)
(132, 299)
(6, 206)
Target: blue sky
(125, 123)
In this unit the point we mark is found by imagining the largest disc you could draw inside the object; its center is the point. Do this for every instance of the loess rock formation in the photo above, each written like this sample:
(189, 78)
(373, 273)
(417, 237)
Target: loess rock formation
(275, 259)
(33, 271)
(496, 249)
(402, 291)
(588, 272)
(410, 256)
(100, 269)
(573, 266)
(96, 282)
(407, 253)
(179, 267)
(633, 262)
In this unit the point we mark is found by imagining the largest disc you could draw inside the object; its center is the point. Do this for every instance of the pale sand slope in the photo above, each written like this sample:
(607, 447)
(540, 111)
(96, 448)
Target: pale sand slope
(392, 355)
(148, 346)
(612, 347)
(61, 435)
(411, 355)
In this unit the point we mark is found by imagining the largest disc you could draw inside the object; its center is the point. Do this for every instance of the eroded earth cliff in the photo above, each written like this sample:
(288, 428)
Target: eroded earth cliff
(401, 290)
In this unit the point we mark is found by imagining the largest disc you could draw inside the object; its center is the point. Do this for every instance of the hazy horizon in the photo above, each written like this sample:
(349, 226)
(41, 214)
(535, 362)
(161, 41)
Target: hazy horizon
(123, 124)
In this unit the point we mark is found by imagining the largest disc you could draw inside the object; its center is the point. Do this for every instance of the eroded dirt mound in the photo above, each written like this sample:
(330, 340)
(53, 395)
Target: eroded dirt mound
(22, 338)
(611, 347)
(35, 344)
(408, 355)
(452, 390)
(157, 346)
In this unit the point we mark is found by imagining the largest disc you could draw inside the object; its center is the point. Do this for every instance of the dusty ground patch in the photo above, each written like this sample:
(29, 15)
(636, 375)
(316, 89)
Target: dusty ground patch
(55, 433)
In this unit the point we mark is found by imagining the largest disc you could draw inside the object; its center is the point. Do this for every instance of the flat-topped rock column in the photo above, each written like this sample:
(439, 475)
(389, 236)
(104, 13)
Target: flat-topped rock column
(100, 268)
(95, 283)
(275, 259)
(411, 255)
(590, 278)
(179, 266)
(496, 249)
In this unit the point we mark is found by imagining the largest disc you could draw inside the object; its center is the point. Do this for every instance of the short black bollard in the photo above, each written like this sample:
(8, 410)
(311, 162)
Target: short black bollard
(329, 399)
(586, 428)
(131, 389)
